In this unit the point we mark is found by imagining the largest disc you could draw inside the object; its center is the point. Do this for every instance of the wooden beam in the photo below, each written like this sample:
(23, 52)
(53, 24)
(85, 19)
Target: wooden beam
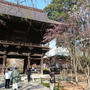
(21, 32)
(36, 58)
(2, 52)
(36, 55)
(17, 54)
(23, 44)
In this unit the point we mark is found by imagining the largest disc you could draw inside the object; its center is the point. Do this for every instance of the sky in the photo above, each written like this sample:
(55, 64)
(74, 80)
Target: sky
(40, 4)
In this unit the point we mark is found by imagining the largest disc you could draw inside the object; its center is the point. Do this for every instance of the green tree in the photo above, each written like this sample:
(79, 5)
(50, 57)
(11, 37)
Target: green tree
(58, 9)
(75, 13)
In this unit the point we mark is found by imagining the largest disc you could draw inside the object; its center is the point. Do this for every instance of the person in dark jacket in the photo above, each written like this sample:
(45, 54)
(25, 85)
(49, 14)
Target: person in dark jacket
(29, 74)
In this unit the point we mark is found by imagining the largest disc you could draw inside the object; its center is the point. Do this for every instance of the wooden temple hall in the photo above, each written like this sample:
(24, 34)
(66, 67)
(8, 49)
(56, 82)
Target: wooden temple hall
(21, 33)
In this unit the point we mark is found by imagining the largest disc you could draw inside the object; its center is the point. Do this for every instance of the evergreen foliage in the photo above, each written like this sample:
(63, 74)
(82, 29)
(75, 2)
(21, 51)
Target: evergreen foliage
(58, 9)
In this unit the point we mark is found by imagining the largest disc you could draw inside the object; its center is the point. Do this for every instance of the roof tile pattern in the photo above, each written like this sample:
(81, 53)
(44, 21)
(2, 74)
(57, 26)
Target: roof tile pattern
(24, 12)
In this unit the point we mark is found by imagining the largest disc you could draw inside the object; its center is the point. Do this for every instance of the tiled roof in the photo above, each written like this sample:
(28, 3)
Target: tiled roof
(60, 51)
(24, 12)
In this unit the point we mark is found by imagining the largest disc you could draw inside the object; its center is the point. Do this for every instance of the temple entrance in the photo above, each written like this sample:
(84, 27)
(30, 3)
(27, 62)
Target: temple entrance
(10, 61)
(19, 43)
(22, 62)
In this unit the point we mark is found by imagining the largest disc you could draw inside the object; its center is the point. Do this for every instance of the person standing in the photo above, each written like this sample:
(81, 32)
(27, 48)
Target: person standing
(29, 74)
(7, 78)
(10, 72)
(15, 78)
(52, 79)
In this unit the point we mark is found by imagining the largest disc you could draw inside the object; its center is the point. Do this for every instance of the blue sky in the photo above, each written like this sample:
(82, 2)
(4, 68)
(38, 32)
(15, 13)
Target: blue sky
(36, 3)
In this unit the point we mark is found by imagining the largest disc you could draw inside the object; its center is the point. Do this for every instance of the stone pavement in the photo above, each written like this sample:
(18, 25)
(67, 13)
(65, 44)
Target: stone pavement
(26, 86)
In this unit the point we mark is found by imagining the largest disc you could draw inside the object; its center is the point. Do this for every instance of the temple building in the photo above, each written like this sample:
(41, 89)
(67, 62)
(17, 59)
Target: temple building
(21, 33)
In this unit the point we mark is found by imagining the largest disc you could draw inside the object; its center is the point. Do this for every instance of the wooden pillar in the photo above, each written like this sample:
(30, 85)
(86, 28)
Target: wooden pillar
(27, 63)
(29, 60)
(4, 63)
(41, 64)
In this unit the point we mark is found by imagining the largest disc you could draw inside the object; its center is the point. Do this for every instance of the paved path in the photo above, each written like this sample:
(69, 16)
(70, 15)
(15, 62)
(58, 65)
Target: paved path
(26, 86)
